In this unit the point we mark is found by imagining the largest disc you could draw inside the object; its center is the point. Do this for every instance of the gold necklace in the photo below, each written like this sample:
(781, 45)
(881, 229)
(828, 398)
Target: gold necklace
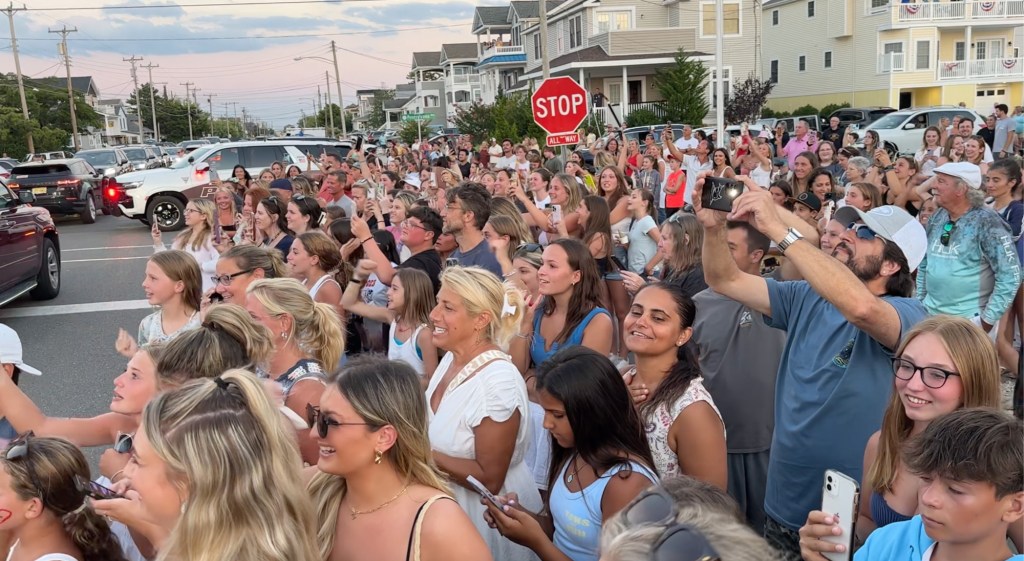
(382, 505)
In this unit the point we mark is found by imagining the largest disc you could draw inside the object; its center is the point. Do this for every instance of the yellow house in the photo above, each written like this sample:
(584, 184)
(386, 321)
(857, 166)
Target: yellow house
(877, 52)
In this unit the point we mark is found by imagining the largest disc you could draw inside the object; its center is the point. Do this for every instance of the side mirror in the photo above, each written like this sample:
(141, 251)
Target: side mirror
(202, 167)
(26, 197)
(909, 126)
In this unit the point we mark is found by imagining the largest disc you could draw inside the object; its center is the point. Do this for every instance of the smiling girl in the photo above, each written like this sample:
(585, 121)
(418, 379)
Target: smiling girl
(172, 284)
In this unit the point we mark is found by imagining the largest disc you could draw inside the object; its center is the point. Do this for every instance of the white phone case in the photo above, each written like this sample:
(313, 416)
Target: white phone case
(840, 496)
(479, 487)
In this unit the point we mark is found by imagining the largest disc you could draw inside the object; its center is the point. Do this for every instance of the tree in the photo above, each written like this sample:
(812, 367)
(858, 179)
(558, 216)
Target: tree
(510, 116)
(642, 118)
(747, 99)
(377, 116)
(682, 86)
(831, 108)
(49, 118)
(172, 115)
(410, 131)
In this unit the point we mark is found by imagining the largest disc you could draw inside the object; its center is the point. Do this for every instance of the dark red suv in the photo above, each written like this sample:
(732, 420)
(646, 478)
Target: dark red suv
(29, 248)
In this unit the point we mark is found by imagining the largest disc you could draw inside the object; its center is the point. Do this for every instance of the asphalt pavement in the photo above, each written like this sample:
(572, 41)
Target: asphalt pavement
(71, 338)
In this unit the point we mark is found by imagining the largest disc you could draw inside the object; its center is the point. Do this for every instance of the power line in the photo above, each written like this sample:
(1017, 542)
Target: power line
(198, 5)
(289, 36)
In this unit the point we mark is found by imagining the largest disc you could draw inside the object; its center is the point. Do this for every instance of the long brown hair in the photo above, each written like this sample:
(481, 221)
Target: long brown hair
(599, 223)
(621, 189)
(687, 244)
(418, 290)
(586, 294)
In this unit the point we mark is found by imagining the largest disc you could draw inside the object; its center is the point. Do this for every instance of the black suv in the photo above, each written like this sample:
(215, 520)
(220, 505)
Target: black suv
(62, 187)
(858, 116)
(29, 248)
(143, 157)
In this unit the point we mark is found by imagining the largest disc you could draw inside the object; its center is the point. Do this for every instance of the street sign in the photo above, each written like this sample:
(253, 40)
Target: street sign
(563, 139)
(559, 105)
(417, 116)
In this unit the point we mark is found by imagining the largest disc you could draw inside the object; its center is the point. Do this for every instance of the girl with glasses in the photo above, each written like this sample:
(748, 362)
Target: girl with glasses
(375, 475)
(240, 266)
(45, 516)
(943, 364)
(197, 239)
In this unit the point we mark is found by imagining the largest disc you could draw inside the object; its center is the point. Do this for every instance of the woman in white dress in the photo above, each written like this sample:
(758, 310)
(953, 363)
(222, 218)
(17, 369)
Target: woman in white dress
(478, 400)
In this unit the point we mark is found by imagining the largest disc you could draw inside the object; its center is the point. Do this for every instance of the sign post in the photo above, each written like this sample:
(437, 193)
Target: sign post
(559, 106)
(419, 118)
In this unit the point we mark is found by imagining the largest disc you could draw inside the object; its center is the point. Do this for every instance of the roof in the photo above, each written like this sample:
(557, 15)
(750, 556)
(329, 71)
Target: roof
(528, 9)
(367, 92)
(490, 16)
(394, 103)
(426, 59)
(598, 54)
(408, 87)
(455, 51)
(81, 84)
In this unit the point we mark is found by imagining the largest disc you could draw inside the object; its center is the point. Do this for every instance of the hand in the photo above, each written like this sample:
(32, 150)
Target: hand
(111, 462)
(154, 232)
(639, 393)
(360, 229)
(499, 247)
(759, 209)
(819, 524)
(365, 268)
(130, 512)
(882, 157)
(517, 525)
(349, 248)
(710, 218)
(632, 281)
(125, 344)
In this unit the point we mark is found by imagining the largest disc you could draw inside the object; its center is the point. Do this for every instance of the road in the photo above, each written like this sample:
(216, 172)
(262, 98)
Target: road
(71, 338)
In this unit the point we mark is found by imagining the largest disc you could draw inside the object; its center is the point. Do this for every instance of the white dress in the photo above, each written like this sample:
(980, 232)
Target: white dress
(497, 391)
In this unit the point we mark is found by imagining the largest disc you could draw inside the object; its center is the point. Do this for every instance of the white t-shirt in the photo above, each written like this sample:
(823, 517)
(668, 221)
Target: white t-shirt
(693, 168)
(504, 162)
(686, 144)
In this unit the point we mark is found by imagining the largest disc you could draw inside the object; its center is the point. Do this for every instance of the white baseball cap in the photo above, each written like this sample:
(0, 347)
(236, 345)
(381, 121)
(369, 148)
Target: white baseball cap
(896, 225)
(966, 171)
(10, 350)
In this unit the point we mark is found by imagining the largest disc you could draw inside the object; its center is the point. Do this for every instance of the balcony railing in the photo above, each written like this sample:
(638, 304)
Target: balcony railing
(985, 68)
(890, 62)
(960, 11)
(462, 79)
(497, 50)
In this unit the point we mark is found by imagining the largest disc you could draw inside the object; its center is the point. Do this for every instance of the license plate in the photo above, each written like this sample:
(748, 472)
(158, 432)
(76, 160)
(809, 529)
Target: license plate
(39, 190)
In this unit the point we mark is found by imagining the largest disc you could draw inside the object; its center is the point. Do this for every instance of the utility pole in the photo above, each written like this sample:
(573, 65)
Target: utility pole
(152, 96)
(17, 68)
(720, 137)
(188, 106)
(209, 100)
(245, 123)
(138, 105)
(330, 106)
(337, 81)
(234, 105)
(71, 94)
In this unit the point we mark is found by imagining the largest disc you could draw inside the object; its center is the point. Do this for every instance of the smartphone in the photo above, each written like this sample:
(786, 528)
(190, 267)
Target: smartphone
(556, 213)
(618, 263)
(216, 297)
(829, 207)
(94, 490)
(155, 228)
(719, 193)
(479, 488)
(840, 497)
(218, 233)
(359, 144)
(451, 262)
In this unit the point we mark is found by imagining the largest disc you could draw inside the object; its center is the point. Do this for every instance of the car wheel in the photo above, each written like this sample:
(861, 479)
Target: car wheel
(168, 213)
(48, 278)
(89, 214)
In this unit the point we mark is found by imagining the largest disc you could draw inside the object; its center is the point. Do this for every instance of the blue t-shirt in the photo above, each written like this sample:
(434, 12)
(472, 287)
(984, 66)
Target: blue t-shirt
(479, 256)
(901, 541)
(833, 386)
(537, 343)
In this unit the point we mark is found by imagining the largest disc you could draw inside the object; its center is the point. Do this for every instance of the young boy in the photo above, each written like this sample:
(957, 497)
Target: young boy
(971, 463)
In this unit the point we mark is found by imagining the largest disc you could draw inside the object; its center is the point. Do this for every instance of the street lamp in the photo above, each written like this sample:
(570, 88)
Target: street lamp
(337, 81)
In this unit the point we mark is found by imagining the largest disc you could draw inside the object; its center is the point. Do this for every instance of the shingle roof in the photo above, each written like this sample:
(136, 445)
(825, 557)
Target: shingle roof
(455, 51)
(491, 15)
(81, 84)
(432, 58)
(527, 9)
(598, 54)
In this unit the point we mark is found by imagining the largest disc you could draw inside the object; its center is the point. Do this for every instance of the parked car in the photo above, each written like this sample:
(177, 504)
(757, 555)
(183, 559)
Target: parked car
(160, 195)
(57, 155)
(29, 248)
(63, 187)
(143, 157)
(858, 117)
(109, 162)
(190, 145)
(905, 128)
(6, 165)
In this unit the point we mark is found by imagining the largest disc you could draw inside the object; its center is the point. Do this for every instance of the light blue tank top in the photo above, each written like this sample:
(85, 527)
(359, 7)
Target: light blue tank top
(537, 344)
(578, 516)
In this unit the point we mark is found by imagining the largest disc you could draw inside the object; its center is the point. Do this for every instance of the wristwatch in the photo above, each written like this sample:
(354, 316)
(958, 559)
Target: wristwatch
(791, 237)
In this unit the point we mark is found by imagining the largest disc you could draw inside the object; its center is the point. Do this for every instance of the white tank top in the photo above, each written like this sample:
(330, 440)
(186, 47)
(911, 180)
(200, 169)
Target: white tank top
(47, 557)
(406, 352)
(319, 282)
(761, 177)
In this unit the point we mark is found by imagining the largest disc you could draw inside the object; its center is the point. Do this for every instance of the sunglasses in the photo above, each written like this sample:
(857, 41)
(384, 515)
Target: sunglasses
(947, 231)
(679, 542)
(863, 231)
(17, 451)
(322, 422)
(124, 443)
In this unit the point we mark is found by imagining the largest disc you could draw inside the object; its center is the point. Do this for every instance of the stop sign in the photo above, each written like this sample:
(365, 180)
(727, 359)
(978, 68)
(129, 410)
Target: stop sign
(559, 105)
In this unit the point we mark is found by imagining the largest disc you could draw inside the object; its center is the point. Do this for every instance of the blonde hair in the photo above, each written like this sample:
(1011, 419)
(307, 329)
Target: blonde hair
(383, 393)
(481, 292)
(574, 197)
(316, 325)
(975, 360)
(227, 338)
(230, 191)
(225, 442)
(198, 237)
(180, 266)
(515, 228)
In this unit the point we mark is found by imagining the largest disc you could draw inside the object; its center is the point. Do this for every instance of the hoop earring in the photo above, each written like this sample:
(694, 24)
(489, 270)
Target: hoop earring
(377, 456)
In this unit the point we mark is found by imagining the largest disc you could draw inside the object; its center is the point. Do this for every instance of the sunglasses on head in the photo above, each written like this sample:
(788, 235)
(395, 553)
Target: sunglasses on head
(322, 422)
(679, 542)
(529, 248)
(18, 450)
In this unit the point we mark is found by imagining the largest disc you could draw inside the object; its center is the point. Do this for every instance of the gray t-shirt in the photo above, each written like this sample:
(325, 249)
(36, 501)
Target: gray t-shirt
(1003, 128)
(739, 357)
(479, 256)
(347, 204)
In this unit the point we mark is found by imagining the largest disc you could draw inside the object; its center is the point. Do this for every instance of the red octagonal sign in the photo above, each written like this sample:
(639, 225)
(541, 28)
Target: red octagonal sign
(559, 105)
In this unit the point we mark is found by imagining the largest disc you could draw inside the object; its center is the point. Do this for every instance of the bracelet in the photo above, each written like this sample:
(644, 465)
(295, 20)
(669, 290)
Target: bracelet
(368, 238)
(524, 335)
(354, 280)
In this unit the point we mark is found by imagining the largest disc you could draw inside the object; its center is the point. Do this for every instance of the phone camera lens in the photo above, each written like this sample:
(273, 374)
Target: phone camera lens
(828, 486)
(829, 478)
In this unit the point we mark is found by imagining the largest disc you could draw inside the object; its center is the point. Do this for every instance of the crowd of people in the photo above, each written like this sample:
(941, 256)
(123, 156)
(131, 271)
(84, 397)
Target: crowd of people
(468, 351)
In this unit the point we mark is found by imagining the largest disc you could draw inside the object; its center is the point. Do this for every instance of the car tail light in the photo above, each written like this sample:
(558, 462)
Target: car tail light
(14, 186)
(69, 182)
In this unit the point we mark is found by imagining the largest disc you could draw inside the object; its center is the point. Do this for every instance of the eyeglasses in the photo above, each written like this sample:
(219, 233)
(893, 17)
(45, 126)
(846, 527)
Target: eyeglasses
(18, 450)
(679, 542)
(124, 443)
(191, 210)
(322, 422)
(226, 279)
(932, 377)
(862, 231)
(409, 224)
(947, 231)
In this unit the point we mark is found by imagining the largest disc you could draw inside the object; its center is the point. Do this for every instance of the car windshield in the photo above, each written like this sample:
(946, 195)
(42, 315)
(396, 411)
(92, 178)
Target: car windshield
(890, 121)
(194, 156)
(99, 158)
(135, 153)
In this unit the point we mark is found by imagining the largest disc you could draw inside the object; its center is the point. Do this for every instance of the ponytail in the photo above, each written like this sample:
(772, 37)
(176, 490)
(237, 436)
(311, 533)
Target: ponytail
(91, 534)
(326, 339)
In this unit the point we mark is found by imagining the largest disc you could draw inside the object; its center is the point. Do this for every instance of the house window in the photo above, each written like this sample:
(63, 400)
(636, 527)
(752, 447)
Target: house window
(576, 32)
(774, 72)
(923, 58)
(980, 50)
(810, 9)
(959, 52)
(536, 46)
(560, 41)
(730, 19)
(613, 20)
(828, 59)
(516, 38)
(801, 63)
(726, 86)
(878, 5)
(775, 17)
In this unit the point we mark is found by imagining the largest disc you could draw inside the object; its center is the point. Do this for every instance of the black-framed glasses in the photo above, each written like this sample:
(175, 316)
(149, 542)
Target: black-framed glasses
(862, 231)
(931, 376)
(407, 223)
(681, 542)
(947, 231)
(17, 451)
(322, 422)
(124, 443)
(226, 279)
